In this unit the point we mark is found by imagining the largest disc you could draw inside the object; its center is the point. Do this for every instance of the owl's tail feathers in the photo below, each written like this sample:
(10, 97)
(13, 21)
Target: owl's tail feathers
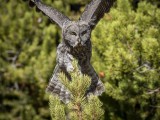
(56, 88)
(96, 89)
(99, 88)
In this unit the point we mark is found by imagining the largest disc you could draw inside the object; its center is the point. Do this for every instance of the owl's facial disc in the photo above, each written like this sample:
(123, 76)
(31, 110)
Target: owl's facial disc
(76, 33)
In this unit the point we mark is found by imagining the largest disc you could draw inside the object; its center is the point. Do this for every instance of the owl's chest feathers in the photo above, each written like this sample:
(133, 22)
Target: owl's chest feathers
(78, 51)
(81, 53)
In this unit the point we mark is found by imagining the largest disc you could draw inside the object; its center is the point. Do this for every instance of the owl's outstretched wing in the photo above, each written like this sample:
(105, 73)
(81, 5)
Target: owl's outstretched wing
(95, 10)
(52, 13)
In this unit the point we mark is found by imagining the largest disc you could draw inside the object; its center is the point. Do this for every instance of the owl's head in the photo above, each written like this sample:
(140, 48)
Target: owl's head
(76, 33)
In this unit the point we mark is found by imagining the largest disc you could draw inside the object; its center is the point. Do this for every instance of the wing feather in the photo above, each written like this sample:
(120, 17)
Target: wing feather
(95, 10)
(52, 13)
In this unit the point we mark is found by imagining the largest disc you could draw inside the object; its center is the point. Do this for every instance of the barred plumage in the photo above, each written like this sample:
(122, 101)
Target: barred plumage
(76, 44)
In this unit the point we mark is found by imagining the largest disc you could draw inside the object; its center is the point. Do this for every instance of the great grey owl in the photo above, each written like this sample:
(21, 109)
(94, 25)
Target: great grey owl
(76, 44)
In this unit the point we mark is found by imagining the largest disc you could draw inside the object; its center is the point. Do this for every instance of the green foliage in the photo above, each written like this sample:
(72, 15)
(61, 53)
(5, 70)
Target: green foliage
(126, 47)
(80, 106)
(27, 57)
(28, 44)
(92, 109)
(79, 84)
(57, 109)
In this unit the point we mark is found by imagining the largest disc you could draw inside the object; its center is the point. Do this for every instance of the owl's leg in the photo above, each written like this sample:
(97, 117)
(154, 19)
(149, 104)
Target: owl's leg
(55, 87)
(96, 87)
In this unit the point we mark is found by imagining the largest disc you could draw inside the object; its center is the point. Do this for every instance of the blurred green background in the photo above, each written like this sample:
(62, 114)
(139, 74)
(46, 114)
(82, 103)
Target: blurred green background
(126, 55)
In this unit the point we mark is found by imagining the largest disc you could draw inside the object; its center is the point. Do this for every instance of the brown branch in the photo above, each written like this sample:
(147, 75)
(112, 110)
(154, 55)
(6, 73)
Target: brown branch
(153, 91)
(154, 106)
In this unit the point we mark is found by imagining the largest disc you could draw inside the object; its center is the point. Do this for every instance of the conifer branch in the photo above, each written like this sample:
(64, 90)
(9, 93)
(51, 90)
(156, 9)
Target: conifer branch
(81, 107)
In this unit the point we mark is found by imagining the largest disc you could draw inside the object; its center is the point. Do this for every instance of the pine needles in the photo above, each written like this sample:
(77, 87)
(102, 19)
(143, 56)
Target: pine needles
(81, 107)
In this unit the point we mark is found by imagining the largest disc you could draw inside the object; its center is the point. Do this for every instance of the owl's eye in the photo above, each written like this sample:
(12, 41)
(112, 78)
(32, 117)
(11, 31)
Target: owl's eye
(73, 33)
(84, 32)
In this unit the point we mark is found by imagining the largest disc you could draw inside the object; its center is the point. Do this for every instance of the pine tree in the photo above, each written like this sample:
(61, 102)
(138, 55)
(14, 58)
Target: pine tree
(28, 44)
(125, 53)
(80, 107)
(27, 57)
(126, 48)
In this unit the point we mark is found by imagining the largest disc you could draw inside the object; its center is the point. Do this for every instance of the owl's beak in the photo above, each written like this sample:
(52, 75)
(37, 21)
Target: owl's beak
(79, 44)
(79, 40)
